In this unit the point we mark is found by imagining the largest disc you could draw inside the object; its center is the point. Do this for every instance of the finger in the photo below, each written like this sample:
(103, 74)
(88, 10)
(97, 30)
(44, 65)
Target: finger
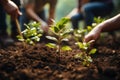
(19, 13)
(88, 38)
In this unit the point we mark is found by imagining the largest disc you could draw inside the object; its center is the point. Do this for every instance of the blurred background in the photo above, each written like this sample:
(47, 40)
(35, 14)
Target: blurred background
(64, 7)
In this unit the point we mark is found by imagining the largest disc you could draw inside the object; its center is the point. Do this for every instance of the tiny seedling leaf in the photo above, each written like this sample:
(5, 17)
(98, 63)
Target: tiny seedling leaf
(89, 28)
(56, 30)
(79, 55)
(51, 38)
(65, 39)
(93, 51)
(66, 48)
(51, 45)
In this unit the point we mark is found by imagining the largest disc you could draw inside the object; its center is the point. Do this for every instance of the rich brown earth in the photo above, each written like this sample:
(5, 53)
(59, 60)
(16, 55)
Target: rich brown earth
(41, 63)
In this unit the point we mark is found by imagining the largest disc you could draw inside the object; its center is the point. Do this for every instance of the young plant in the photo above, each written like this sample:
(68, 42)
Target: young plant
(97, 20)
(61, 33)
(80, 33)
(31, 34)
(85, 54)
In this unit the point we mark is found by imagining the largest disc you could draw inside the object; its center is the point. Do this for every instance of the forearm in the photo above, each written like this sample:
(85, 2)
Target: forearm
(51, 16)
(52, 12)
(110, 24)
(33, 15)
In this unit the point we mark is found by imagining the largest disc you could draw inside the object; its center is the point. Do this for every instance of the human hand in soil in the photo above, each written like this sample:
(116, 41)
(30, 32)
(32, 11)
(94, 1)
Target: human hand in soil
(12, 9)
(93, 35)
(44, 26)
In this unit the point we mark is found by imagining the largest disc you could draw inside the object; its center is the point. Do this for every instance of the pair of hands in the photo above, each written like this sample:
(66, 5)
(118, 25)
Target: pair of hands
(12, 9)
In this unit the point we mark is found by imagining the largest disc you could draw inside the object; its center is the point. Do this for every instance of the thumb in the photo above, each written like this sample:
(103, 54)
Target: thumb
(19, 13)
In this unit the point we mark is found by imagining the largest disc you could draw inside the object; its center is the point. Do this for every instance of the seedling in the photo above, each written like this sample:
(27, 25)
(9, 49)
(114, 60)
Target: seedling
(85, 54)
(61, 33)
(31, 34)
(97, 20)
(80, 33)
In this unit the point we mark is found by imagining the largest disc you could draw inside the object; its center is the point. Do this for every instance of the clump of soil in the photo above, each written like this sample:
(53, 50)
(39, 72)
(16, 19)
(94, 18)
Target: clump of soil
(42, 63)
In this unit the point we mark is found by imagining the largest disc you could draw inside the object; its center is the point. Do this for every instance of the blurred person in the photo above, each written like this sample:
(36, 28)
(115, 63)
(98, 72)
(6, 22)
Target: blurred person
(106, 26)
(88, 9)
(7, 6)
(34, 10)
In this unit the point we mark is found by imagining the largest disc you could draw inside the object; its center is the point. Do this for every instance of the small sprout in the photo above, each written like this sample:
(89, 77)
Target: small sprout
(66, 48)
(51, 45)
(84, 56)
(61, 32)
(92, 51)
(31, 34)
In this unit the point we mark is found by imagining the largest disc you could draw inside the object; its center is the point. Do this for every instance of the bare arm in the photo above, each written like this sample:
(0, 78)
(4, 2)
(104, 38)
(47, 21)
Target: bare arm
(52, 11)
(31, 13)
(111, 24)
(108, 25)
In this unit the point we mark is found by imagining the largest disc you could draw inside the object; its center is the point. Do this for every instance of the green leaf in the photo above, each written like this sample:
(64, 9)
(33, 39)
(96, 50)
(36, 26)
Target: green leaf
(51, 45)
(83, 46)
(39, 35)
(93, 51)
(89, 28)
(29, 41)
(51, 38)
(36, 38)
(80, 45)
(89, 59)
(79, 55)
(20, 38)
(56, 29)
(66, 48)
(34, 24)
(65, 39)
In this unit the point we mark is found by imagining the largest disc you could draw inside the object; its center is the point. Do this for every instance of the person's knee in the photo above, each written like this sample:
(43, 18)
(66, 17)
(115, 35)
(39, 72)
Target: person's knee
(76, 17)
(86, 8)
(73, 18)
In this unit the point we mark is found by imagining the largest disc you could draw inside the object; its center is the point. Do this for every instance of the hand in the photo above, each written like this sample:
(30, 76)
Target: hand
(50, 22)
(12, 9)
(44, 26)
(93, 35)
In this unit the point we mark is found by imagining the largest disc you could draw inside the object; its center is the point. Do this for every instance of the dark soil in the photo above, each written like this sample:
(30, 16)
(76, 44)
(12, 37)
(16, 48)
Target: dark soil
(41, 63)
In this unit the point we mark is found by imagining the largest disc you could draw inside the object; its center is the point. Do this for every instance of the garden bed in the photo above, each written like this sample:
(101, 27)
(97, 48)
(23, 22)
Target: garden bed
(41, 63)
